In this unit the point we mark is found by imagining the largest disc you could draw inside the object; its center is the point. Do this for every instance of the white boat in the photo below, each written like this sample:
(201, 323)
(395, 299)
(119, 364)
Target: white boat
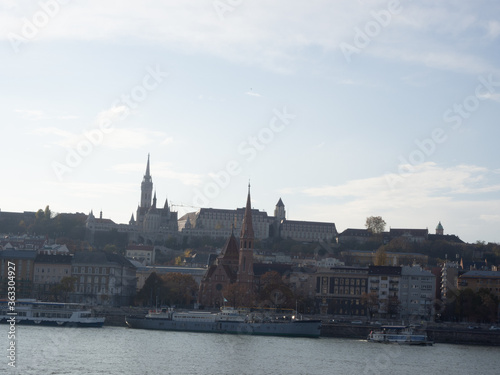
(403, 335)
(33, 312)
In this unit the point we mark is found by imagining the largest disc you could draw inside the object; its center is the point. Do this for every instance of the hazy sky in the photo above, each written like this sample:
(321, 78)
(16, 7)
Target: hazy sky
(344, 109)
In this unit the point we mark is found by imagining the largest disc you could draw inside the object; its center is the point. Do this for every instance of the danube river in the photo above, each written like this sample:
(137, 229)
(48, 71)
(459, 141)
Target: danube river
(121, 351)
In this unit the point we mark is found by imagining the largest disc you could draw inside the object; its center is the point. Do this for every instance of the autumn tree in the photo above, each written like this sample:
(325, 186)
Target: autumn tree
(375, 224)
(150, 292)
(238, 295)
(62, 290)
(380, 258)
(371, 302)
(274, 292)
(179, 289)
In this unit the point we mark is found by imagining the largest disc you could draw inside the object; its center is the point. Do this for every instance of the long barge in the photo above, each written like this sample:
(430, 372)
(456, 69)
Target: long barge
(230, 321)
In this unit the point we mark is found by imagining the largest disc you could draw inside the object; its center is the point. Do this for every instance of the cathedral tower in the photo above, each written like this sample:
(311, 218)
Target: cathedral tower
(146, 188)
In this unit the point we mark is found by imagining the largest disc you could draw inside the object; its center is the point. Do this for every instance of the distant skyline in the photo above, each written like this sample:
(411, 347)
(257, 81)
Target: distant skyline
(344, 109)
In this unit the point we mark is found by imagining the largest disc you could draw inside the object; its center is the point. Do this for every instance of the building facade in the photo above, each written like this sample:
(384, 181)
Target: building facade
(417, 293)
(339, 291)
(406, 292)
(49, 270)
(103, 278)
(477, 280)
(144, 254)
(21, 262)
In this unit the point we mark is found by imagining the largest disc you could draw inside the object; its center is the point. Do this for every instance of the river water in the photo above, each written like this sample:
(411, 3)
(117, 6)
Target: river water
(120, 351)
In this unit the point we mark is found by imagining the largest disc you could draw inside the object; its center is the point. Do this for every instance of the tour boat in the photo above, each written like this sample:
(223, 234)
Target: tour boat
(404, 335)
(33, 312)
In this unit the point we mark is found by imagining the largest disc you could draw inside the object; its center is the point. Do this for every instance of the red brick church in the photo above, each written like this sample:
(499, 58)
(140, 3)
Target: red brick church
(231, 277)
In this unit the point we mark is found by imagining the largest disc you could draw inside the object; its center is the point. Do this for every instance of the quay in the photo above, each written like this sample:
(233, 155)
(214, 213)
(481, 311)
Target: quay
(444, 333)
(440, 333)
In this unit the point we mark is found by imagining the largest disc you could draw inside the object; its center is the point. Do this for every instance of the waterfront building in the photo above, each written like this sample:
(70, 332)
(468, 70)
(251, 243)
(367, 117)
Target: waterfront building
(23, 261)
(103, 278)
(449, 280)
(405, 292)
(477, 280)
(416, 294)
(383, 284)
(49, 270)
(339, 290)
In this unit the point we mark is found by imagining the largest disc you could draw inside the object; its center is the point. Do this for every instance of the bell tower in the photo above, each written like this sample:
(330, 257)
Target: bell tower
(146, 188)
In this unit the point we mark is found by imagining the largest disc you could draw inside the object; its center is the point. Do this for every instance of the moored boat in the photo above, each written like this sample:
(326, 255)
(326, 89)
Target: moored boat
(227, 320)
(404, 335)
(32, 312)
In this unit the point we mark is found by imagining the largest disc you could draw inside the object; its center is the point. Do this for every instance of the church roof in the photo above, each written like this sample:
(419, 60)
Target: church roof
(230, 249)
(280, 203)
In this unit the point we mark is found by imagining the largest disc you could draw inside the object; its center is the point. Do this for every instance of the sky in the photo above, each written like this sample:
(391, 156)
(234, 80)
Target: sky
(344, 109)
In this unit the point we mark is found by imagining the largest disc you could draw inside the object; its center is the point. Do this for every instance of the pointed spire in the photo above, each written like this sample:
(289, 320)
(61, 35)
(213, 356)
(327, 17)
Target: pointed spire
(165, 206)
(247, 225)
(147, 169)
(154, 200)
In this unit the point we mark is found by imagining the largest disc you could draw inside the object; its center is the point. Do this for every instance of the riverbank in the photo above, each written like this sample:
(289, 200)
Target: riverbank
(440, 333)
(457, 334)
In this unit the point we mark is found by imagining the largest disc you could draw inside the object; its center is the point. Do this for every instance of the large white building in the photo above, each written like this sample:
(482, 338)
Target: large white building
(406, 292)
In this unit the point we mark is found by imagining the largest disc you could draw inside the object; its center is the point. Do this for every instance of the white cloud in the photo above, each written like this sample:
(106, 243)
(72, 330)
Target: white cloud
(37, 115)
(270, 34)
(253, 93)
(167, 141)
(493, 29)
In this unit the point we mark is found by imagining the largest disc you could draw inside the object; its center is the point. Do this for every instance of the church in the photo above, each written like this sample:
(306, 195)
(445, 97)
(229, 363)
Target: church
(232, 273)
(152, 223)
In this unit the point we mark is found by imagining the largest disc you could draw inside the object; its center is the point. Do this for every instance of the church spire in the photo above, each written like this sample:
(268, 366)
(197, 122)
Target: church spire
(147, 175)
(247, 225)
(245, 264)
(146, 192)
